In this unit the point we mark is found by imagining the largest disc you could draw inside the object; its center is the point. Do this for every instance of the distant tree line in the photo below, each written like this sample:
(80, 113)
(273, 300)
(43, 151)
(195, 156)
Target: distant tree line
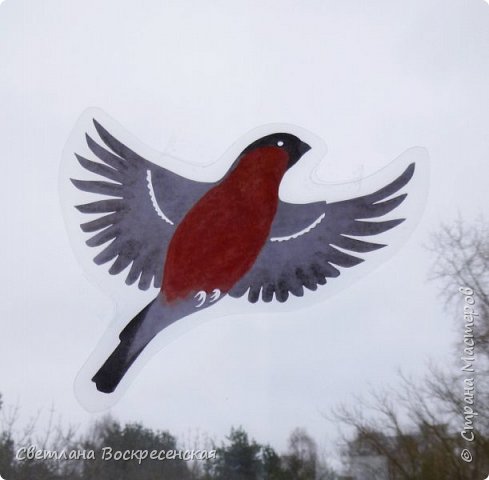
(236, 458)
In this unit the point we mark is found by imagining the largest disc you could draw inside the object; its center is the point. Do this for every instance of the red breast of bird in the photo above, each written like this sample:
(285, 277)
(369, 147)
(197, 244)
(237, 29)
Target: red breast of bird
(220, 238)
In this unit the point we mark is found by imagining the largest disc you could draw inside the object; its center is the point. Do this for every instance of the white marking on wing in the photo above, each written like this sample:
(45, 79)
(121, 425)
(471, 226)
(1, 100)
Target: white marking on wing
(153, 198)
(302, 232)
(200, 296)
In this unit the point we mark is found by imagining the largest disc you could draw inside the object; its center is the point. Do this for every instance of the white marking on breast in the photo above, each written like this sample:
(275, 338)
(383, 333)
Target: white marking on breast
(200, 296)
(302, 232)
(215, 295)
(153, 199)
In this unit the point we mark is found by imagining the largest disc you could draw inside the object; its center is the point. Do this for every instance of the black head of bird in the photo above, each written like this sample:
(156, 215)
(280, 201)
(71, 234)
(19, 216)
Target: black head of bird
(292, 145)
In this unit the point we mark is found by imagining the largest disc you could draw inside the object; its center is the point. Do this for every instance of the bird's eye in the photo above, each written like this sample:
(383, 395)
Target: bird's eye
(280, 143)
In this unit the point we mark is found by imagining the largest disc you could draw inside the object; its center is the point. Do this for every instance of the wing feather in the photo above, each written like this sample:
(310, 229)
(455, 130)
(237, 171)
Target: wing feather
(102, 188)
(107, 157)
(99, 169)
(102, 206)
(101, 222)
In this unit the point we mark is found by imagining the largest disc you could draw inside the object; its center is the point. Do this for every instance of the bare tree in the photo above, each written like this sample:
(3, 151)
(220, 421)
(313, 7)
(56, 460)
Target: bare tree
(461, 259)
(302, 457)
(414, 431)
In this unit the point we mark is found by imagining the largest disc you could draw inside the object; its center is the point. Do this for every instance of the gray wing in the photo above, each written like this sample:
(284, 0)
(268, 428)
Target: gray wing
(300, 251)
(145, 204)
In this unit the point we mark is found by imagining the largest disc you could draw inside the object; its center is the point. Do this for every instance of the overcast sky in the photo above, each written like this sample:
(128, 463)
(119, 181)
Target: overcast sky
(190, 77)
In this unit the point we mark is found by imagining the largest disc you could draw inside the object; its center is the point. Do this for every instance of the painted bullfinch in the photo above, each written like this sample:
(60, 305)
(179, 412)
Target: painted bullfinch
(198, 241)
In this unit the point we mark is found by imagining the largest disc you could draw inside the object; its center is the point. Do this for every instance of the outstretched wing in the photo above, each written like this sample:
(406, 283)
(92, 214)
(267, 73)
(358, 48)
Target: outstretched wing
(301, 250)
(145, 204)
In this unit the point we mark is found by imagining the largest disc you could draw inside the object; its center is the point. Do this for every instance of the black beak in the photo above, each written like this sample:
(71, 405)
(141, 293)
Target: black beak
(300, 148)
(303, 148)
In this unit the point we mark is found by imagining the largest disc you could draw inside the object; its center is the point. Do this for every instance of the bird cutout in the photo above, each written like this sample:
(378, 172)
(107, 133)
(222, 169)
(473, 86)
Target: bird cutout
(195, 242)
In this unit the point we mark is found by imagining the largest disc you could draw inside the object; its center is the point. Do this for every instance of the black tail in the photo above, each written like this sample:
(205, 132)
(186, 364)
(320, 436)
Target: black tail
(156, 316)
(113, 370)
